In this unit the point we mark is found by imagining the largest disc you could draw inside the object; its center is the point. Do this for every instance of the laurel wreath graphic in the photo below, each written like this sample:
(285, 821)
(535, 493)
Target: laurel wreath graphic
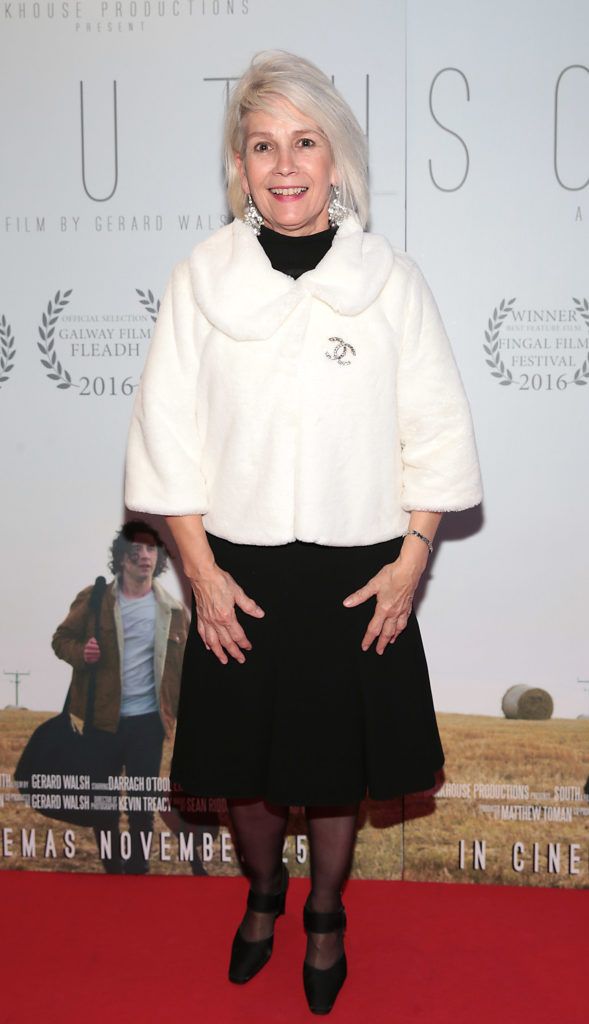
(151, 304)
(581, 375)
(498, 368)
(46, 346)
(7, 350)
(491, 346)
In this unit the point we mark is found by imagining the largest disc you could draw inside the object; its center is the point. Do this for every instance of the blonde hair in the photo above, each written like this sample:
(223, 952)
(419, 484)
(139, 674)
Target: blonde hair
(276, 74)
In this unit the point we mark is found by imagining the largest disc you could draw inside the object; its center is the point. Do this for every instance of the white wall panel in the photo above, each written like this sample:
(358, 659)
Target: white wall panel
(508, 602)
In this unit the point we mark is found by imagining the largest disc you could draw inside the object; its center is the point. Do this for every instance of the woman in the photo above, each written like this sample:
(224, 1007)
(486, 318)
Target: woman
(302, 426)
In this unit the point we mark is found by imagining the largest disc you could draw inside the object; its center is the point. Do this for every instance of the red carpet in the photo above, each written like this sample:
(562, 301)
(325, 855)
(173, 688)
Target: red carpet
(87, 949)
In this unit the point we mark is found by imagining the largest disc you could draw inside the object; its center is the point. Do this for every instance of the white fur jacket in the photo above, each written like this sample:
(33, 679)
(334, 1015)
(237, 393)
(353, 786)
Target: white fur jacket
(323, 409)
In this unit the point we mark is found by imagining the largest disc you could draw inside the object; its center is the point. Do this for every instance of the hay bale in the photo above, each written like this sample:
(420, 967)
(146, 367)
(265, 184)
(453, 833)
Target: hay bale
(529, 702)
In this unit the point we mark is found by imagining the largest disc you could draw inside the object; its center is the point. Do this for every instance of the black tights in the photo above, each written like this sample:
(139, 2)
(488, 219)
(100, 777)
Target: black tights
(259, 830)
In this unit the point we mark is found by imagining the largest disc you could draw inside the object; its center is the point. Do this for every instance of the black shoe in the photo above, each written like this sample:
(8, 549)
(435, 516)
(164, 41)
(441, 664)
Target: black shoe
(247, 958)
(323, 984)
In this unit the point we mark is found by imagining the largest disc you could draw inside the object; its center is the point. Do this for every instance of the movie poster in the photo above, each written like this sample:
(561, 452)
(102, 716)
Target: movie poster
(113, 124)
(497, 164)
(479, 168)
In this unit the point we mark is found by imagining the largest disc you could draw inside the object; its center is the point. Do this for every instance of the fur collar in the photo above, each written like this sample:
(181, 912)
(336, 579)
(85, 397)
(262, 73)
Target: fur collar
(239, 293)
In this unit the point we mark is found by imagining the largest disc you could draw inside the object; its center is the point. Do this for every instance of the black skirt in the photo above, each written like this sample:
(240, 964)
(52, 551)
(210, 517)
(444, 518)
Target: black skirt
(309, 718)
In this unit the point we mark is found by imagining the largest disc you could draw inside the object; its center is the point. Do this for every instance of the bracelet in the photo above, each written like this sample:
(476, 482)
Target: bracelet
(416, 533)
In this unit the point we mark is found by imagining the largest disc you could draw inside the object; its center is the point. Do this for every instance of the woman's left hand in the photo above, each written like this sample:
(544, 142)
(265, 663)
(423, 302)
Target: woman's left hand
(393, 586)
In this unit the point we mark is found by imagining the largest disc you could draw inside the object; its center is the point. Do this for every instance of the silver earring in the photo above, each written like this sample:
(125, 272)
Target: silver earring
(336, 211)
(252, 215)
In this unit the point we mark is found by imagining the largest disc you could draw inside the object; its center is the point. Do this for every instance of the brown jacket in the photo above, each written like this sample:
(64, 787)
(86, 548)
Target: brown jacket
(171, 630)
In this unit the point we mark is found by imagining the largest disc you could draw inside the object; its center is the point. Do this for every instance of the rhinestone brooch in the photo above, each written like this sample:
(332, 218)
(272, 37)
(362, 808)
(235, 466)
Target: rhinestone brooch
(340, 350)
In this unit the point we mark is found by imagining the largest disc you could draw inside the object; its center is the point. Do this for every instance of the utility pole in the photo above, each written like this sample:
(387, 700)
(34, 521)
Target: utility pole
(585, 684)
(17, 676)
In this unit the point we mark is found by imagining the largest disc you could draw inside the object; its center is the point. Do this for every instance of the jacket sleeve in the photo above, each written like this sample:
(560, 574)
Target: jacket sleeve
(438, 450)
(163, 466)
(69, 638)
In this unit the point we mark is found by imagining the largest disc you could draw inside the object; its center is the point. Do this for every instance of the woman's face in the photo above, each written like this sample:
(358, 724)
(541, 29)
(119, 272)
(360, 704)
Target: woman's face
(287, 167)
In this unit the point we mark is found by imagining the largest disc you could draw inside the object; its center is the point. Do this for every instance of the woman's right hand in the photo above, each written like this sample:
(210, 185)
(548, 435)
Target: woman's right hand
(216, 593)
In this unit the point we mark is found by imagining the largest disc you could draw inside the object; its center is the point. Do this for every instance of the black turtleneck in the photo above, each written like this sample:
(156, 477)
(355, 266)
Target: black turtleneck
(295, 254)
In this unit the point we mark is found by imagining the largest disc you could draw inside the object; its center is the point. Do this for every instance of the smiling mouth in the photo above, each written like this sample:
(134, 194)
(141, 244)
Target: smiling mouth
(297, 191)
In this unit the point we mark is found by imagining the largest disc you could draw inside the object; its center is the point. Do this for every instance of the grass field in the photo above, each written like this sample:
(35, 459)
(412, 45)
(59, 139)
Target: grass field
(378, 851)
(479, 751)
(483, 750)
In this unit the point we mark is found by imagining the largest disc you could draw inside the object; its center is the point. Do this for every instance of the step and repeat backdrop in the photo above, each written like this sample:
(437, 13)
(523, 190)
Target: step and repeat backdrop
(477, 118)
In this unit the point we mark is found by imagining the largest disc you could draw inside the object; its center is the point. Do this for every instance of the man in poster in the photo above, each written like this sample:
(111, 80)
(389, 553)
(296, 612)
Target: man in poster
(138, 662)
